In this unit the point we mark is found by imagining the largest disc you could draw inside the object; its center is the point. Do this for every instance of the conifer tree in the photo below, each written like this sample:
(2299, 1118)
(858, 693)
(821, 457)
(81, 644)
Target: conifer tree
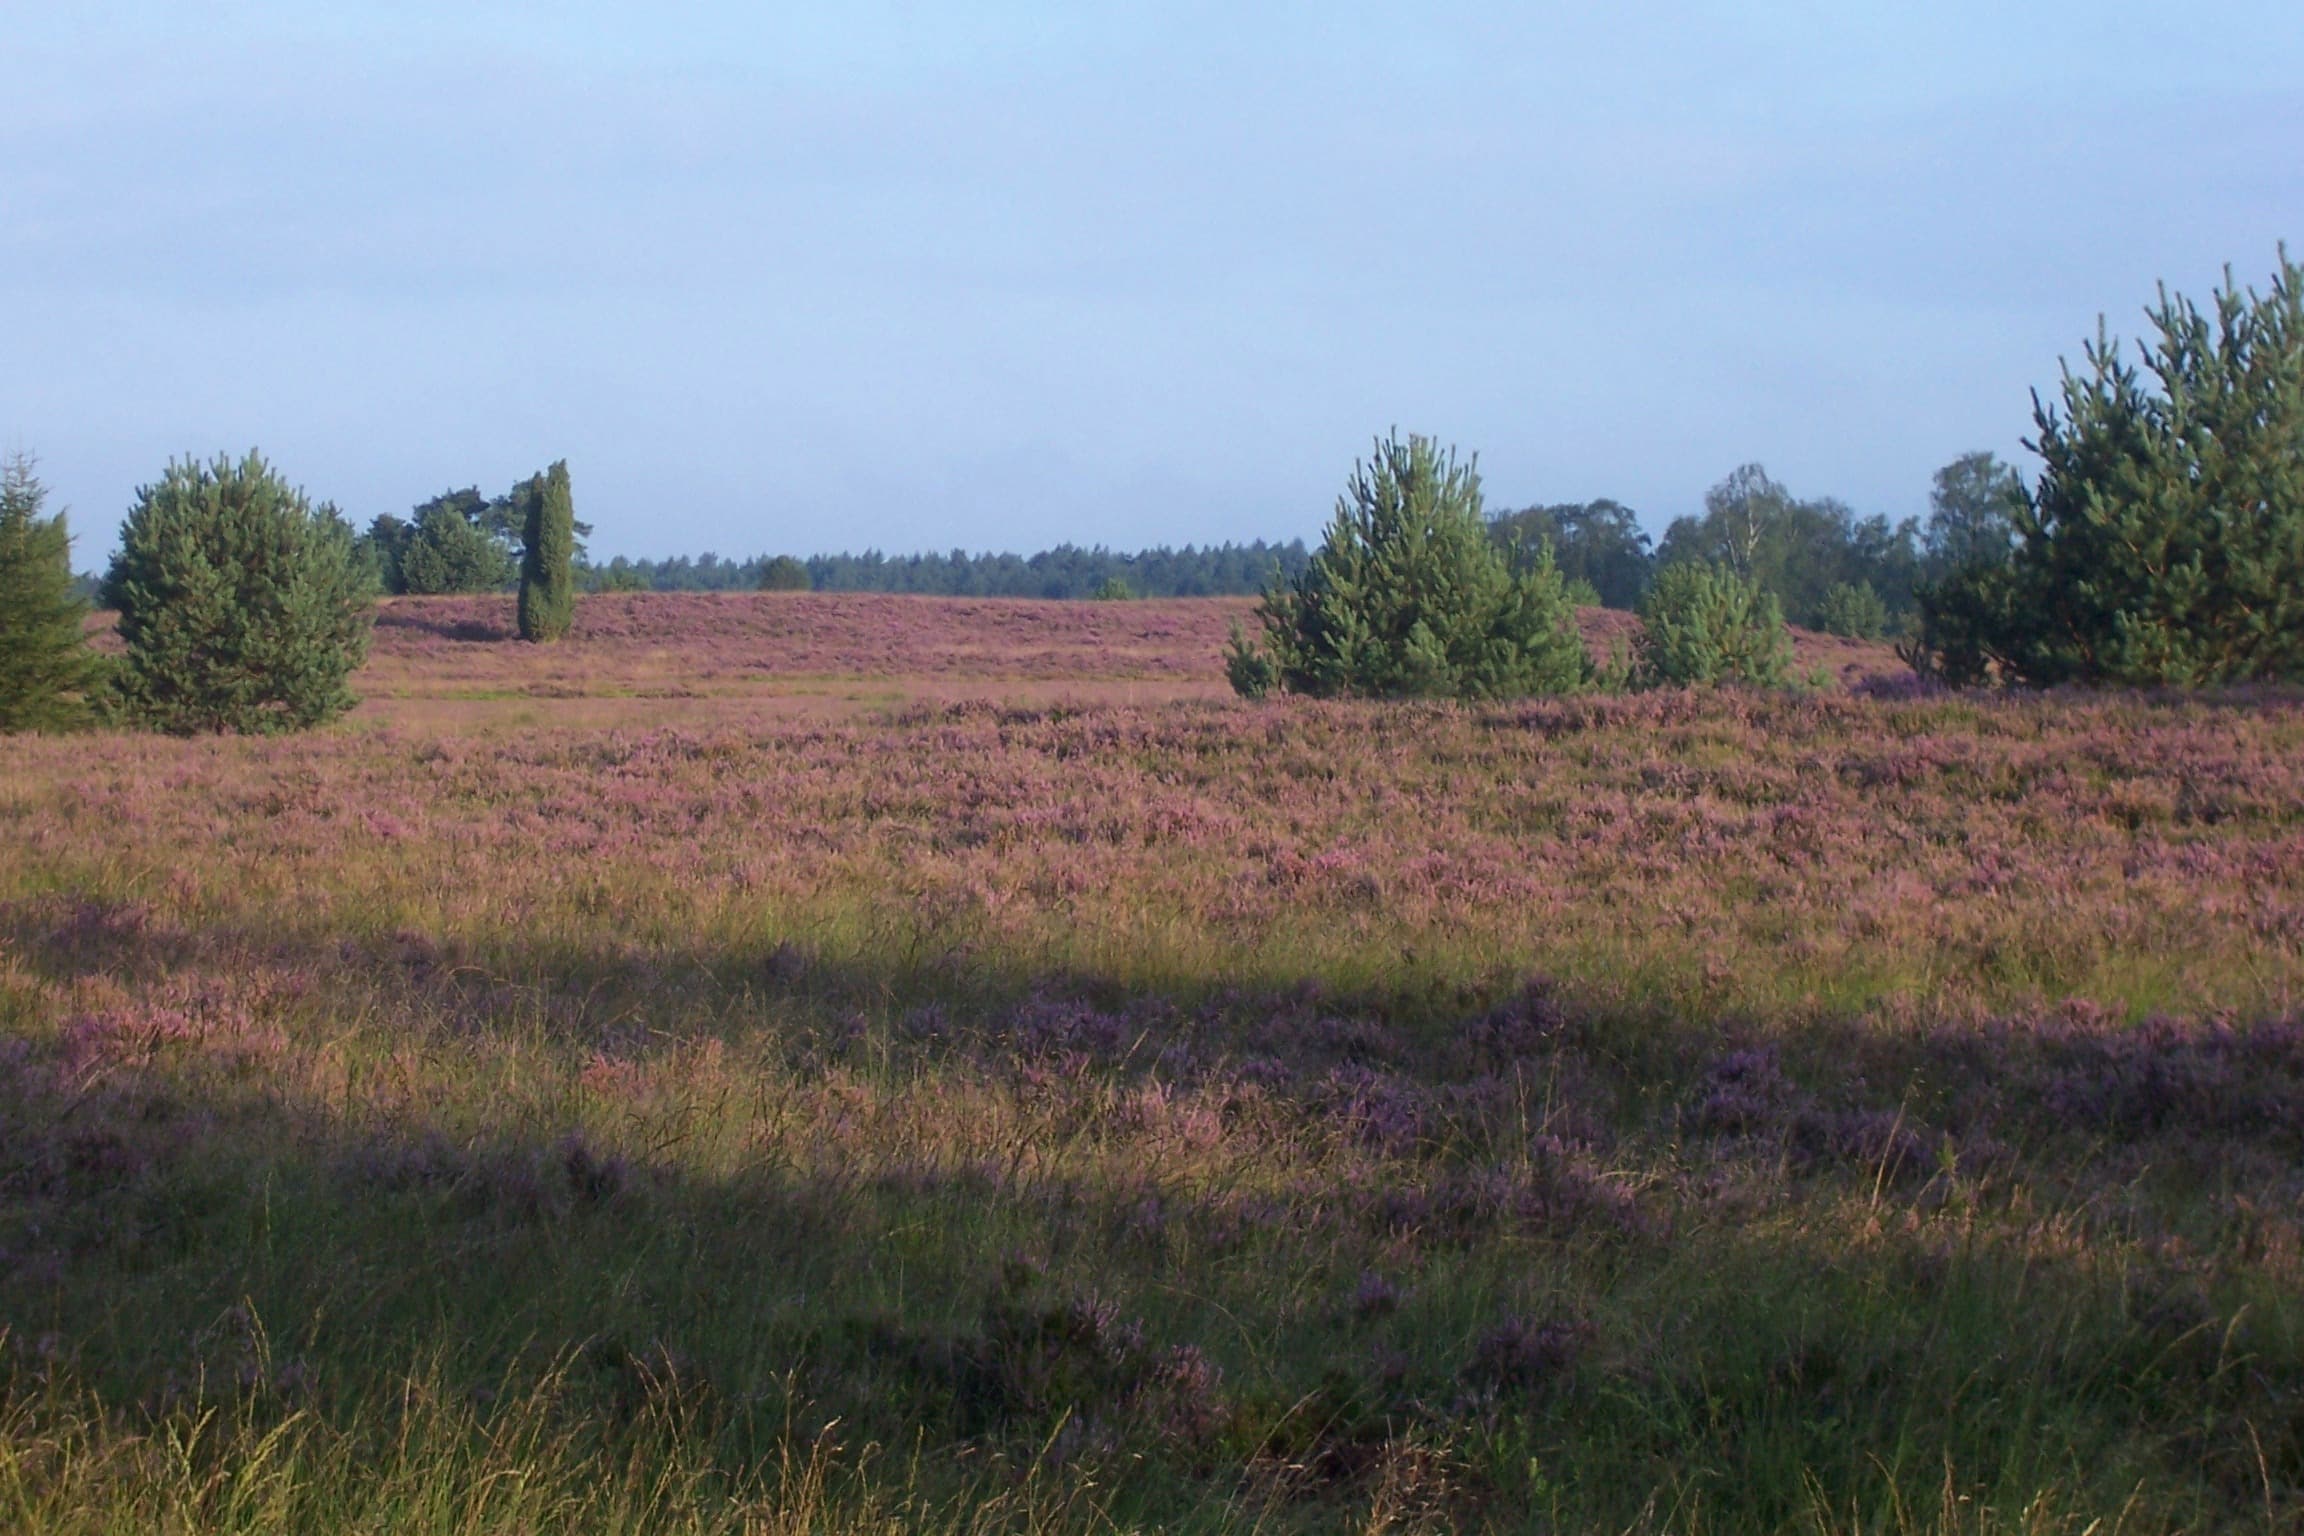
(1702, 623)
(242, 605)
(2164, 541)
(1410, 596)
(1854, 610)
(547, 564)
(47, 670)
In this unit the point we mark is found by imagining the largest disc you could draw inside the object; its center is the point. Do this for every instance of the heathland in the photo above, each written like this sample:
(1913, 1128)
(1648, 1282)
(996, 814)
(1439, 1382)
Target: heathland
(813, 1062)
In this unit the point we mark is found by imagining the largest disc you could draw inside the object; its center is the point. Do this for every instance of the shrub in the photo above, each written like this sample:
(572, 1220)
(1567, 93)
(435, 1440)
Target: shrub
(2164, 541)
(784, 574)
(242, 607)
(547, 564)
(1854, 611)
(1409, 596)
(46, 668)
(1702, 624)
(1250, 668)
(1112, 590)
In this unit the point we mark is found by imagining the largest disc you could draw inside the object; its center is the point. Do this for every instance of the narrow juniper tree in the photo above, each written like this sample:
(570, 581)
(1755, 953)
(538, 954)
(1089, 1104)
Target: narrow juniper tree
(1410, 596)
(547, 563)
(242, 605)
(46, 668)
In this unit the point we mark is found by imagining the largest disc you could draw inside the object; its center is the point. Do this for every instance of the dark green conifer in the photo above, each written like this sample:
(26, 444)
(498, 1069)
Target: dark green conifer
(1409, 596)
(242, 605)
(2164, 542)
(547, 564)
(46, 668)
(784, 574)
(1854, 610)
(1703, 624)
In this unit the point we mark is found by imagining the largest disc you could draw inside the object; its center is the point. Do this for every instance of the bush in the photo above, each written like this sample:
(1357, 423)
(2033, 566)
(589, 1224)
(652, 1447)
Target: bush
(1853, 611)
(784, 574)
(1112, 590)
(1702, 624)
(547, 564)
(46, 669)
(1409, 596)
(2164, 542)
(242, 607)
(1249, 667)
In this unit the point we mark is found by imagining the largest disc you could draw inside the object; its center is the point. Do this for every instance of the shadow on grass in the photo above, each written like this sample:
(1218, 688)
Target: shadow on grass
(445, 624)
(1291, 1247)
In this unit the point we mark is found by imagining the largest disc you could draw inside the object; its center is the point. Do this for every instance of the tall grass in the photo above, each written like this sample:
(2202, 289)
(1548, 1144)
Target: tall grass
(1694, 1115)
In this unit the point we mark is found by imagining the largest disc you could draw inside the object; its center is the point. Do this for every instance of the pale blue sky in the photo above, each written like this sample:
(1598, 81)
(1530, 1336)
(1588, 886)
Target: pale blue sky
(999, 275)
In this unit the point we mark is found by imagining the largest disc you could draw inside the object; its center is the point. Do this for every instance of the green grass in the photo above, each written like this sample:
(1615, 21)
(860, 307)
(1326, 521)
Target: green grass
(949, 1124)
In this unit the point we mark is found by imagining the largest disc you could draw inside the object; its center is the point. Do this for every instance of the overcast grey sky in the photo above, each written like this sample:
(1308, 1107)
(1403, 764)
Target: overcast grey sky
(998, 275)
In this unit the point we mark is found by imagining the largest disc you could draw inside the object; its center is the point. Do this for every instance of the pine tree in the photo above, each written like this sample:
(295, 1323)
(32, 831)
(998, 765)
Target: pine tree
(46, 668)
(1703, 624)
(1410, 596)
(2164, 542)
(1854, 610)
(547, 564)
(242, 605)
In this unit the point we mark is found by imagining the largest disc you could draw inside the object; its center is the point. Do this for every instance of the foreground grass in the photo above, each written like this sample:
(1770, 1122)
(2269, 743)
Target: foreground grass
(1693, 1115)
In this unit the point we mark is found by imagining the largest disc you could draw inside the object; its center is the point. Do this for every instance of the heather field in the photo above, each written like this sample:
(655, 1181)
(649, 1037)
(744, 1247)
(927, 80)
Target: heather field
(887, 1064)
(442, 660)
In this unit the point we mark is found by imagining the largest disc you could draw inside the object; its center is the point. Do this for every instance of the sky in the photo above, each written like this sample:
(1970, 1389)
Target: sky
(895, 274)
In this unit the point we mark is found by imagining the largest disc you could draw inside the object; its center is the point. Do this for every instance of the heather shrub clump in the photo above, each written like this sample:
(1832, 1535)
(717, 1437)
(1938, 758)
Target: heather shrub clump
(1703, 624)
(242, 607)
(1409, 596)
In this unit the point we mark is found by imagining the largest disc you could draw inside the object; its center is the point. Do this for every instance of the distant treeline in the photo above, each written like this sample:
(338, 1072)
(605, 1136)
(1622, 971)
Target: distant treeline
(1827, 566)
(1830, 568)
(1067, 571)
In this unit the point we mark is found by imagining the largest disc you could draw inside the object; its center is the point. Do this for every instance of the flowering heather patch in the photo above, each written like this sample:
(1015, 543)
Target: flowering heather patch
(1775, 854)
(1195, 1115)
(778, 649)
(704, 638)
